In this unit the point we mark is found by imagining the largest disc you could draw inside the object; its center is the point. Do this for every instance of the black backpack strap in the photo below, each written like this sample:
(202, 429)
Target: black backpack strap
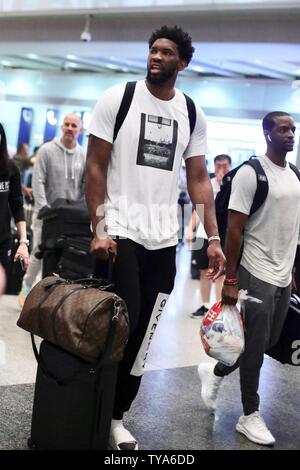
(295, 170)
(262, 184)
(191, 112)
(124, 107)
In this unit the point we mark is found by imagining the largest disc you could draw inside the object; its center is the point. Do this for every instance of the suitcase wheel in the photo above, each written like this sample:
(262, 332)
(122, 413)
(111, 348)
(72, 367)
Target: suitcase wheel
(31, 444)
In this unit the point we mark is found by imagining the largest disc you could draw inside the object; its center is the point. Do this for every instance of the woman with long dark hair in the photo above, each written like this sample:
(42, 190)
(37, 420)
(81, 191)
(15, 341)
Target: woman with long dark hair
(11, 205)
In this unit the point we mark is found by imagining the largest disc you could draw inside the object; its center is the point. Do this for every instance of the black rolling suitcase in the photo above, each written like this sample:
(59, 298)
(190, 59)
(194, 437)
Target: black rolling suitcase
(64, 217)
(76, 261)
(66, 236)
(73, 402)
(70, 257)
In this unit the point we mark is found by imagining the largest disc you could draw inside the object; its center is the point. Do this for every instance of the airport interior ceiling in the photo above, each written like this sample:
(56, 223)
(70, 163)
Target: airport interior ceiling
(235, 40)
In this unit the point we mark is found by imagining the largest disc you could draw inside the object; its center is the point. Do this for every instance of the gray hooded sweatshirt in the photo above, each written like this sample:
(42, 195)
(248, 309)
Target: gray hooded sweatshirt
(58, 173)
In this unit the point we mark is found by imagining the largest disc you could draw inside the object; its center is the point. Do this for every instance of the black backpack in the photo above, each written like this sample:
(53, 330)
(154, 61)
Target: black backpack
(223, 196)
(126, 102)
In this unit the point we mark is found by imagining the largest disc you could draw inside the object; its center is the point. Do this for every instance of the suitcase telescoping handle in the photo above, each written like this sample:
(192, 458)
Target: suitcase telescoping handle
(110, 274)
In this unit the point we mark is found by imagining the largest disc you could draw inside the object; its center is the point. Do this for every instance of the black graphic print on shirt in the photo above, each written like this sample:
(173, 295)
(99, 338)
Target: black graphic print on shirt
(157, 143)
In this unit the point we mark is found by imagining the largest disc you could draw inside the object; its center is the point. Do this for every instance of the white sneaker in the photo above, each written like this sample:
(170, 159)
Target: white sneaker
(121, 439)
(210, 384)
(255, 429)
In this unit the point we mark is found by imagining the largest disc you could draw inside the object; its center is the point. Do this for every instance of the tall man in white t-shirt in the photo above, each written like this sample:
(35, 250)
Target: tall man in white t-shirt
(270, 238)
(132, 185)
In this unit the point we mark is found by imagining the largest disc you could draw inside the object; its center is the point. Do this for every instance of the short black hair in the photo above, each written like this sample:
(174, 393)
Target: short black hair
(221, 157)
(268, 121)
(176, 34)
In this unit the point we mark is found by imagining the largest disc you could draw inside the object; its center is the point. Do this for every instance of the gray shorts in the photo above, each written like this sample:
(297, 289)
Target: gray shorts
(200, 256)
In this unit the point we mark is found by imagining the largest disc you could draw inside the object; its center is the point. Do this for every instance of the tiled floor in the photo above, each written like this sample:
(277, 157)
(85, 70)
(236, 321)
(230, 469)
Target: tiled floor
(168, 413)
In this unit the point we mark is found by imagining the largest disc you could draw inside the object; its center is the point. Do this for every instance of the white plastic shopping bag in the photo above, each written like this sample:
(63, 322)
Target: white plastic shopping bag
(222, 331)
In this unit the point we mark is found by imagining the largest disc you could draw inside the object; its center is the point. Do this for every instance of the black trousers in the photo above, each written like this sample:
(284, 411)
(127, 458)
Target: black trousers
(140, 277)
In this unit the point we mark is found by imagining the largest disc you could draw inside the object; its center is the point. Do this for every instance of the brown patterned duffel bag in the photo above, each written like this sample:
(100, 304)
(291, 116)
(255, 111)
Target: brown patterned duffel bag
(82, 317)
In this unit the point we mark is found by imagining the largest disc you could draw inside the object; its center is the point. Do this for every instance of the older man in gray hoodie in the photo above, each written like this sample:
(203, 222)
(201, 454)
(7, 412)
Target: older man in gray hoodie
(58, 173)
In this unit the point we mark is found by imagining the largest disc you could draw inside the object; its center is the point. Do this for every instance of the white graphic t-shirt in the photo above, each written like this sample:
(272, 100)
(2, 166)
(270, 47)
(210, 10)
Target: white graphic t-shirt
(143, 171)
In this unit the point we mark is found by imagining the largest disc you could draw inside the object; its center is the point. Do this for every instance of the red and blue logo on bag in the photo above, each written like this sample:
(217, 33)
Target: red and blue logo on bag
(212, 314)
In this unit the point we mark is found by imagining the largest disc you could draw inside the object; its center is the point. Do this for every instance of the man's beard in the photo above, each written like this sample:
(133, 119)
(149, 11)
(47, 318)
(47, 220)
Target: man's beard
(164, 76)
